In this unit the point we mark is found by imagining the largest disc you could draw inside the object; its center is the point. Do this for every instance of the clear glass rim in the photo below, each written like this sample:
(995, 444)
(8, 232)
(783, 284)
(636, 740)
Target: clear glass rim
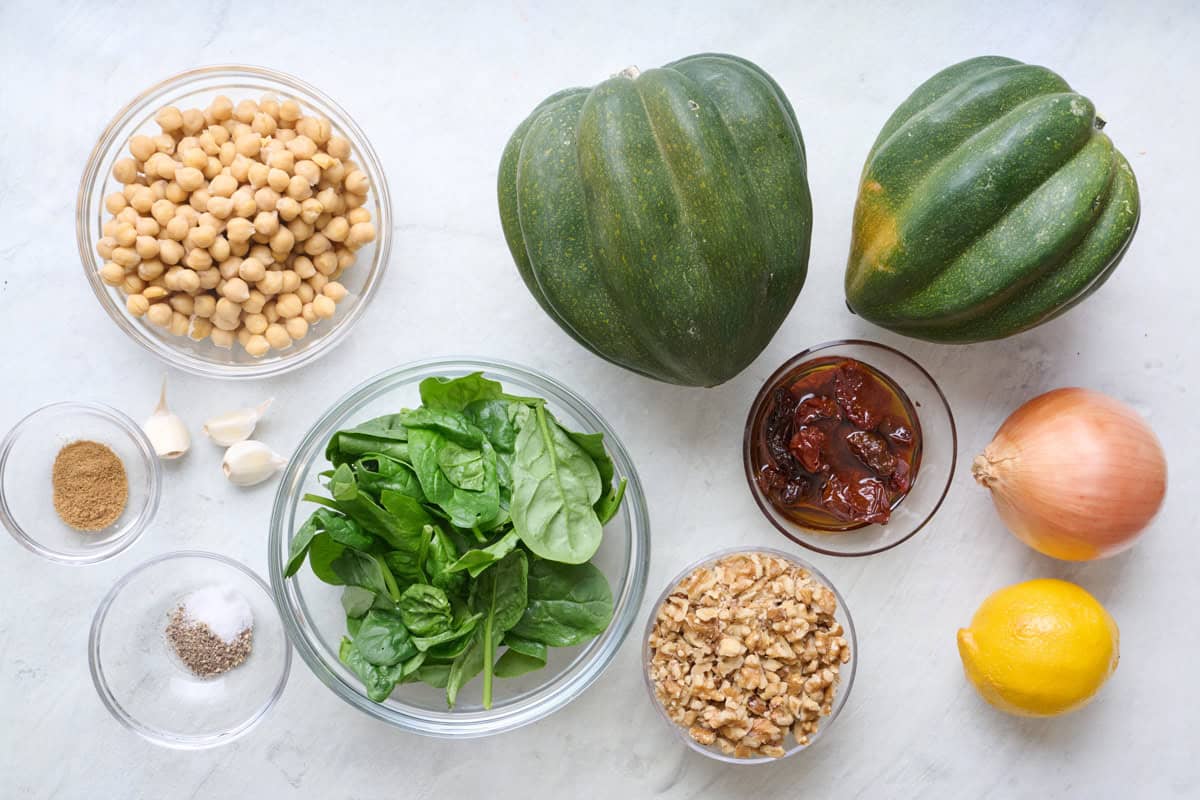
(764, 504)
(567, 686)
(153, 488)
(176, 741)
(845, 682)
(93, 180)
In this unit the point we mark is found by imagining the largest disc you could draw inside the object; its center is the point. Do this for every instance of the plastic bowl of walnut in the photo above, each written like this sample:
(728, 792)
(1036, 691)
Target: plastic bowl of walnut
(750, 655)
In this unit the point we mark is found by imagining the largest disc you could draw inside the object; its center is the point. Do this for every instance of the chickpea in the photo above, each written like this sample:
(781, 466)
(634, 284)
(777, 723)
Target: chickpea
(189, 178)
(323, 306)
(220, 207)
(266, 198)
(105, 245)
(195, 158)
(208, 143)
(201, 236)
(282, 159)
(282, 242)
(125, 170)
(264, 124)
(209, 279)
(177, 227)
(151, 269)
(303, 266)
(288, 208)
(337, 230)
(239, 248)
(308, 315)
(288, 305)
(137, 304)
(193, 121)
(142, 200)
(244, 204)
(153, 293)
(278, 337)
(239, 230)
(323, 220)
(305, 293)
(163, 211)
(255, 345)
(249, 145)
(255, 323)
(141, 147)
(165, 143)
(221, 108)
(223, 186)
(308, 170)
(229, 268)
(197, 259)
(300, 229)
(178, 325)
(356, 182)
(316, 244)
(204, 305)
(213, 168)
(326, 263)
(302, 146)
(125, 257)
(188, 281)
(147, 226)
(201, 328)
(298, 188)
(227, 153)
(353, 201)
(159, 314)
(296, 328)
(183, 303)
(222, 338)
(334, 291)
(310, 209)
(113, 274)
(338, 147)
(271, 283)
(252, 270)
(175, 192)
(169, 119)
(220, 249)
(263, 253)
(318, 282)
(133, 285)
(170, 251)
(289, 111)
(147, 247)
(114, 202)
(266, 223)
(235, 289)
(219, 134)
(330, 201)
(269, 311)
(244, 111)
(159, 189)
(277, 179)
(360, 234)
(255, 302)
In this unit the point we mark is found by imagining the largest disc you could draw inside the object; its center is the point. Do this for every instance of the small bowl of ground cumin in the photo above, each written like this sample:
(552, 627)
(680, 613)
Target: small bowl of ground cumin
(79, 482)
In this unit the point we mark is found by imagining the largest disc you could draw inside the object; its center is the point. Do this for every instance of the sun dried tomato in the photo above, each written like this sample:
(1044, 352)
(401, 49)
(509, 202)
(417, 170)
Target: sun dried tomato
(900, 480)
(872, 450)
(895, 430)
(850, 382)
(817, 407)
(862, 500)
(806, 446)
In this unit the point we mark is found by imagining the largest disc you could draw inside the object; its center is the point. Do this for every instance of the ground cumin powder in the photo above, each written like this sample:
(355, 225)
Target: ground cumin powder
(90, 486)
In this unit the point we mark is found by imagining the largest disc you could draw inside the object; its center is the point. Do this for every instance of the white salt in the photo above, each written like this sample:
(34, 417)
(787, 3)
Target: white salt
(222, 608)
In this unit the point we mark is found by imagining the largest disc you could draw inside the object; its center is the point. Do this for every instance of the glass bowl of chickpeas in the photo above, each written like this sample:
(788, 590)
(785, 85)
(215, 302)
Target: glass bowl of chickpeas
(234, 221)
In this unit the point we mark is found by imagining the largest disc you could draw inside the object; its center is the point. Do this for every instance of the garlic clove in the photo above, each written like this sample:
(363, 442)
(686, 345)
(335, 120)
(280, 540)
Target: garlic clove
(250, 462)
(166, 430)
(235, 426)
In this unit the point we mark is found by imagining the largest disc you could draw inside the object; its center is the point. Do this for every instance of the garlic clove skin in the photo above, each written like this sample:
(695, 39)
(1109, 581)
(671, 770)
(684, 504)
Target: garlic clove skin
(166, 430)
(235, 426)
(250, 462)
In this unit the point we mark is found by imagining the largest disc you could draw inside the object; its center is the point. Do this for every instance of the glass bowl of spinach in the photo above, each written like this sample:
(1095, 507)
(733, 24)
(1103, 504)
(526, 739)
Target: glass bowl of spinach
(459, 547)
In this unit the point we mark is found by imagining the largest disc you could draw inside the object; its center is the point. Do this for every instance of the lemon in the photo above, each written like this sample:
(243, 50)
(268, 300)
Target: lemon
(1039, 648)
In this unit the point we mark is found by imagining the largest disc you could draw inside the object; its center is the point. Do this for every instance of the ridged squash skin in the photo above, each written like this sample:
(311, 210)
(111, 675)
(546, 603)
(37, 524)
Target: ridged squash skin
(991, 202)
(663, 218)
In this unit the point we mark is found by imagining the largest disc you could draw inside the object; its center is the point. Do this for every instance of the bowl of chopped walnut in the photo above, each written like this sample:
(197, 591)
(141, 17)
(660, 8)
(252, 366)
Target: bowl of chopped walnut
(750, 655)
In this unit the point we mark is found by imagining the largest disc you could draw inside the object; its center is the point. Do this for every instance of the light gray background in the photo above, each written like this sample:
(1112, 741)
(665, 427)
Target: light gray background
(438, 91)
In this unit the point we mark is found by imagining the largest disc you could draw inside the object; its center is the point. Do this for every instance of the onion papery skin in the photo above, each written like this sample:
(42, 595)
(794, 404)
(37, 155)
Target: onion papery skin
(1075, 474)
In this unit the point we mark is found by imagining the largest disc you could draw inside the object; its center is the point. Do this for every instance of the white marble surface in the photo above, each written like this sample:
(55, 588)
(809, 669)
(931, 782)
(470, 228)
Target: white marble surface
(438, 92)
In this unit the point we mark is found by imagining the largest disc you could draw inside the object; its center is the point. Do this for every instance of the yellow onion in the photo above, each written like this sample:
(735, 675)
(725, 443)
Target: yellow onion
(1074, 474)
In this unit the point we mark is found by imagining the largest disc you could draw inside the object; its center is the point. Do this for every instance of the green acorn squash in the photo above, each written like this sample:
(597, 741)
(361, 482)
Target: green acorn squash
(990, 203)
(663, 218)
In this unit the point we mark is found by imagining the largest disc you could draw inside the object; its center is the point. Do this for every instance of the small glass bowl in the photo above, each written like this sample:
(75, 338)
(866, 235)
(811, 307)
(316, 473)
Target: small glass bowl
(846, 674)
(939, 452)
(141, 680)
(196, 88)
(27, 456)
(313, 614)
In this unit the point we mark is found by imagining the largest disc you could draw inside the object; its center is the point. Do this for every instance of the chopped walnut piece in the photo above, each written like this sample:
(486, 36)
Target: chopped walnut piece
(746, 650)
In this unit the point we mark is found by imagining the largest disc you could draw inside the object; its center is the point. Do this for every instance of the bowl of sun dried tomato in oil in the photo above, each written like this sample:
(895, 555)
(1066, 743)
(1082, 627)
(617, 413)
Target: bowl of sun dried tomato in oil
(850, 448)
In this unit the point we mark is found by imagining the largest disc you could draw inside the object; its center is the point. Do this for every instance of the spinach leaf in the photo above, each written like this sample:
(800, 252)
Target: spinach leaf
(438, 559)
(342, 530)
(378, 681)
(353, 624)
(465, 508)
(454, 394)
(377, 473)
(298, 547)
(466, 666)
(400, 530)
(322, 552)
(450, 642)
(555, 483)
(567, 604)
(522, 656)
(357, 601)
(500, 595)
(356, 568)
(384, 435)
(476, 560)
(450, 424)
(495, 419)
(462, 467)
(383, 640)
(608, 505)
(411, 519)
(425, 610)
(436, 675)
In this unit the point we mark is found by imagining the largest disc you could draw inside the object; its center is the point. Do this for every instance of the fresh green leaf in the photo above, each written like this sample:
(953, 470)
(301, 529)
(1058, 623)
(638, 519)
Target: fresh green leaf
(322, 553)
(357, 601)
(384, 435)
(450, 424)
(495, 419)
(436, 675)
(356, 568)
(500, 595)
(401, 531)
(447, 643)
(298, 547)
(462, 467)
(378, 681)
(353, 624)
(555, 484)
(522, 656)
(425, 610)
(377, 473)
(466, 509)
(476, 560)
(567, 604)
(383, 640)
(466, 666)
(440, 555)
(454, 394)
(608, 505)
